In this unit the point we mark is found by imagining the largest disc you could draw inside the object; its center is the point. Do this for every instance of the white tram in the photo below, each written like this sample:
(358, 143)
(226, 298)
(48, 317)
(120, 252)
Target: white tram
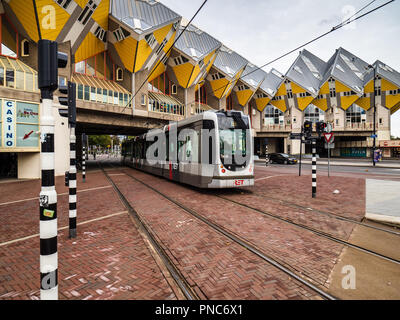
(211, 150)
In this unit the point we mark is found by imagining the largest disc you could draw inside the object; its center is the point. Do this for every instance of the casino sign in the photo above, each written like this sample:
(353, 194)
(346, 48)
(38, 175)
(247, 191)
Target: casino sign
(19, 126)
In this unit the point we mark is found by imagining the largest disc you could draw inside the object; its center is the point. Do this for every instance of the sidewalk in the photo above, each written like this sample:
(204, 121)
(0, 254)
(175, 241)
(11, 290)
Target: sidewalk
(349, 162)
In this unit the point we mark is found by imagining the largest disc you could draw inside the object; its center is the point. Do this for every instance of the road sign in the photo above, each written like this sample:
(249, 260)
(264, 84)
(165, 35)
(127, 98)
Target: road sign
(295, 136)
(329, 137)
(374, 136)
(329, 146)
(328, 128)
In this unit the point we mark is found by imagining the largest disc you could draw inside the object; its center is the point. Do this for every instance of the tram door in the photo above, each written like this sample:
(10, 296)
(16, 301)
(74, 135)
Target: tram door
(172, 155)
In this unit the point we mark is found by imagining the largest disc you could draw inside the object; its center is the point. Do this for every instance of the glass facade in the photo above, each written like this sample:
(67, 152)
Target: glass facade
(355, 114)
(313, 114)
(273, 116)
(17, 75)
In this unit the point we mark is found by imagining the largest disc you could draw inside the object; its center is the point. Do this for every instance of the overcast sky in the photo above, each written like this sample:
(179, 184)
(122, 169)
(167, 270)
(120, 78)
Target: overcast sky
(262, 30)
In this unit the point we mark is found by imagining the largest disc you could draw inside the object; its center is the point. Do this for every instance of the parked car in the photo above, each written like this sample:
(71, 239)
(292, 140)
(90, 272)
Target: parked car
(282, 158)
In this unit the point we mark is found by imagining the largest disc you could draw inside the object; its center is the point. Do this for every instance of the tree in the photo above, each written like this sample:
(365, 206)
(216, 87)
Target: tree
(103, 141)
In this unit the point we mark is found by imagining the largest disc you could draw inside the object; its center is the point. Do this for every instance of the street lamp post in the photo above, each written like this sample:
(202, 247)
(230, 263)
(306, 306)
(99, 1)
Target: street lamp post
(374, 102)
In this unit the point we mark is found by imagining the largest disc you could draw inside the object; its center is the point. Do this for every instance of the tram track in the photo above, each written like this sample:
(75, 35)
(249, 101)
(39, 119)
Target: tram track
(326, 213)
(315, 231)
(306, 281)
(174, 272)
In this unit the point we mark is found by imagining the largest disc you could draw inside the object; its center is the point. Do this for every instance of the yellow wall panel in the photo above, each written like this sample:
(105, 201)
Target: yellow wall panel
(321, 104)
(346, 102)
(183, 73)
(303, 103)
(126, 50)
(195, 73)
(160, 34)
(100, 15)
(89, 47)
(340, 87)
(324, 89)
(392, 100)
(25, 14)
(244, 96)
(386, 85)
(296, 88)
(232, 84)
(143, 53)
(369, 88)
(261, 103)
(219, 86)
(364, 102)
(395, 108)
(281, 91)
(81, 3)
(158, 71)
(280, 104)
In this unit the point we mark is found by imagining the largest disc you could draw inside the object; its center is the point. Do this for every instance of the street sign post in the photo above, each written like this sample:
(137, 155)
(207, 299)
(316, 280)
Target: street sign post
(329, 146)
(329, 137)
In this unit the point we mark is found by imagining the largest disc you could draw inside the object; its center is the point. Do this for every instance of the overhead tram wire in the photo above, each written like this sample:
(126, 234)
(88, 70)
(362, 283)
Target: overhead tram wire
(344, 23)
(159, 61)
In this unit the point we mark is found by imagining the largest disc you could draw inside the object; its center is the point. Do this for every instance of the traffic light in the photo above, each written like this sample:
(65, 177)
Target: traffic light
(69, 102)
(49, 60)
(307, 129)
(321, 126)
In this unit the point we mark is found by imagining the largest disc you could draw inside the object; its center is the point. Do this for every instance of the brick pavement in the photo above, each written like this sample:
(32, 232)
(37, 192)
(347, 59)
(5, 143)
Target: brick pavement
(220, 268)
(304, 251)
(100, 264)
(108, 260)
(349, 203)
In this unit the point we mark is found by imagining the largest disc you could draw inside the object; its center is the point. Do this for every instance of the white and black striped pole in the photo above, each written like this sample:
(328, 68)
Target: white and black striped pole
(49, 60)
(83, 157)
(314, 168)
(48, 207)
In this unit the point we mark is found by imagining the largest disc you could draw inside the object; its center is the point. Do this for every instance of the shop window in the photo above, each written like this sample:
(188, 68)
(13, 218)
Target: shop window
(25, 48)
(105, 96)
(87, 93)
(92, 94)
(80, 91)
(115, 97)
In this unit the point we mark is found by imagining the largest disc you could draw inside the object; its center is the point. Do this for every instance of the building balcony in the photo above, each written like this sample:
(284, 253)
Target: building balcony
(276, 128)
(362, 126)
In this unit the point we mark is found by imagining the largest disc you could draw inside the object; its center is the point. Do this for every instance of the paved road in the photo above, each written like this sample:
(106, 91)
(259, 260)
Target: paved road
(371, 172)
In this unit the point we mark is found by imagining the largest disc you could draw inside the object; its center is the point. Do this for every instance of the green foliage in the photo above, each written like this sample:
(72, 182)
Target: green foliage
(102, 141)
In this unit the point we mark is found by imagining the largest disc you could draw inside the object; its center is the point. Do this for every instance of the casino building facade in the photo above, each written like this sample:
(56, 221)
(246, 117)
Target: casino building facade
(132, 76)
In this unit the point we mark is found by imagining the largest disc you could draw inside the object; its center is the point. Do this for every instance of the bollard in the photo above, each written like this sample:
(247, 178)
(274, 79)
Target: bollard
(314, 168)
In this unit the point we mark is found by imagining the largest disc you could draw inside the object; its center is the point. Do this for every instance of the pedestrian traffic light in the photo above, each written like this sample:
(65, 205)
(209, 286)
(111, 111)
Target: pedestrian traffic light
(49, 60)
(69, 102)
(307, 128)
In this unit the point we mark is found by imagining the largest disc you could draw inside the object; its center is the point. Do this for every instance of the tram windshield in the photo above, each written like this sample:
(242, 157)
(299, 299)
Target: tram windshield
(232, 138)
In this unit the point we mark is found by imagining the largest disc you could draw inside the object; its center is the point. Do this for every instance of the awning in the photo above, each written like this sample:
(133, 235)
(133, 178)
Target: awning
(98, 83)
(159, 102)
(162, 98)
